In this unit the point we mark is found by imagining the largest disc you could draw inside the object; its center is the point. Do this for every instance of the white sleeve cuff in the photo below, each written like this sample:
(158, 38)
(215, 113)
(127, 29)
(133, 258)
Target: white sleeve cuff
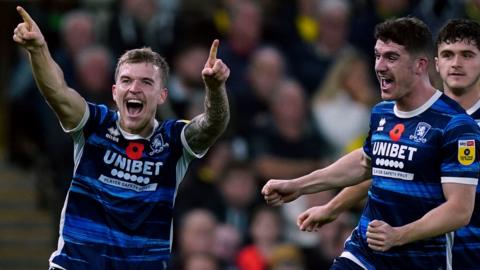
(80, 125)
(460, 180)
(365, 154)
(187, 147)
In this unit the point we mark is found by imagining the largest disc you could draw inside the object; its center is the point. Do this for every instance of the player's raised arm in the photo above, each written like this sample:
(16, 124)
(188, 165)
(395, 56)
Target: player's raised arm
(205, 128)
(66, 102)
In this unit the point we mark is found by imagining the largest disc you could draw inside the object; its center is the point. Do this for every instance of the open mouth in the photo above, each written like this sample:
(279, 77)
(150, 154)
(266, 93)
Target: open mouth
(134, 106)
(386, 82)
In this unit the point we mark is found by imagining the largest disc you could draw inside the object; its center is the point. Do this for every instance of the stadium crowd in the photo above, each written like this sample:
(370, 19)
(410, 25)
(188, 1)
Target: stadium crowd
(301, 88)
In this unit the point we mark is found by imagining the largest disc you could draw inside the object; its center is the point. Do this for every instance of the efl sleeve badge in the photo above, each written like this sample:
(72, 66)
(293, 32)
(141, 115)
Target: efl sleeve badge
(466, 152)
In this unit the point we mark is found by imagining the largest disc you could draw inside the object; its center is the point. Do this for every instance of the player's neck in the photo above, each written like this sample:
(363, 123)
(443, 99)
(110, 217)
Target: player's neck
(143, 132)
(420, 94)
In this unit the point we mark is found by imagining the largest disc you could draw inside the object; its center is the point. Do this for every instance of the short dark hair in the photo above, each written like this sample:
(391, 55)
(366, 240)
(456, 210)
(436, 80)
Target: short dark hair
(144, 55)
(409, 32)
(459, 30)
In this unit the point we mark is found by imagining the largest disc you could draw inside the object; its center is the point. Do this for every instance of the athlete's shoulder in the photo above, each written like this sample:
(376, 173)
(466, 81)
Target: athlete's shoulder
(170, 124)
(446, 105)
(101, 113)
(474, 111)
(383, 107)
(476, 114)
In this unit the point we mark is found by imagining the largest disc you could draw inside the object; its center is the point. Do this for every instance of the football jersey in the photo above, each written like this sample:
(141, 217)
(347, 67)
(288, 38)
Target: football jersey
(466, 245)
(118, 210)
(412, 154)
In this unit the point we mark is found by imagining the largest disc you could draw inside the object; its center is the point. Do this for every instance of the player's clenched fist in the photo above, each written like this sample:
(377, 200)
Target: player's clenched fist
(277, 192)
(27, 32)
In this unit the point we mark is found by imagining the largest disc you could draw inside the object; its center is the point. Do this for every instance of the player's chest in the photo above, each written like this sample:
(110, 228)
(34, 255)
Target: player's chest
(402, 143)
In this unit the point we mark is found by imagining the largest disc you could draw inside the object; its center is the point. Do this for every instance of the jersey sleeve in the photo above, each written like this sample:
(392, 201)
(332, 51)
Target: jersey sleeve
(178, 134)
(460, 163)
(183, 124)
(93, 117)
(80, 125)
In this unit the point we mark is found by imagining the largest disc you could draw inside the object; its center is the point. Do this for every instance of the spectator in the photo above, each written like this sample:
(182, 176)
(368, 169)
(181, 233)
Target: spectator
(265, 71)
(196, 235)
(238, 186)
(287, 144)
(243, 37)
(341, 106)
(265, 232)
(311, 60)
(201, 261)
(226, 246)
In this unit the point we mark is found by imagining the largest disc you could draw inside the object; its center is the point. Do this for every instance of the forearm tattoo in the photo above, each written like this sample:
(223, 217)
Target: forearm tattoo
(205, 128)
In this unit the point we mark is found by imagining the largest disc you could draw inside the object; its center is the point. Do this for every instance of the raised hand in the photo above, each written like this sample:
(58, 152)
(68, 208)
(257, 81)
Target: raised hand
(315, 217)
(277, 192)
(215, 72)
(27, 33)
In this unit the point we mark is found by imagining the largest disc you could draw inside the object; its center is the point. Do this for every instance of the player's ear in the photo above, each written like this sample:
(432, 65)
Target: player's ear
(114, 92)
(163, 95)
(436, 64)
(422, 65)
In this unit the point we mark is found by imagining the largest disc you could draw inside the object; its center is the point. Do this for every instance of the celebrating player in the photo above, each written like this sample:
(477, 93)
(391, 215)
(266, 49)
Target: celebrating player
(420, 154)
(128, 165)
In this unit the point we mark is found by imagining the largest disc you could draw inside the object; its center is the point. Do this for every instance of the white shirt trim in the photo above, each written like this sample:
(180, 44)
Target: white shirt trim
(352, 258)
(460, 180)
(131, 136)
(419, 110)
(474, 108)
(187, 147)
(450, 237)
(82, 123)
(365, 154)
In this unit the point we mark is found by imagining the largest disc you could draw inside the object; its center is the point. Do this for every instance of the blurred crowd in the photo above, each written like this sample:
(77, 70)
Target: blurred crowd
(301, 88)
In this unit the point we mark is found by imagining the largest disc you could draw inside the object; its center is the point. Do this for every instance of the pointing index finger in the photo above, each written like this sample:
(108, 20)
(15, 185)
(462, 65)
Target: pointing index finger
(213, 50)
(26, 17)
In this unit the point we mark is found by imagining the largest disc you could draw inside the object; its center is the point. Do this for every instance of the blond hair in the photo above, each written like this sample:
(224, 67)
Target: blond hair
(144, 55)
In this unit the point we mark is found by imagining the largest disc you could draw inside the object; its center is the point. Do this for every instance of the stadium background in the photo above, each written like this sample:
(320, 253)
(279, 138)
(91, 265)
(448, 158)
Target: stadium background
(301, 88)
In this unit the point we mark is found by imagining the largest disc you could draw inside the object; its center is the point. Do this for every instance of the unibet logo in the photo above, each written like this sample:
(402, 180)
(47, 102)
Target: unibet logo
(132, 166)
(393, 150)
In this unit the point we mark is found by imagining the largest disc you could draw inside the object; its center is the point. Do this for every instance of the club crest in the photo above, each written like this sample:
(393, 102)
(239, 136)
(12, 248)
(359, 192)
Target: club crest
(157, 145)
(420, 131)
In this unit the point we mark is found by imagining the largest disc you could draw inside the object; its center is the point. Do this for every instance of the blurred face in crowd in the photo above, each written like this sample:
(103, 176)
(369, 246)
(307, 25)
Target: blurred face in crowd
(265, 227)
(189, 65)
(78, 33)
(227, 243)
(288, 103)
(141, 10)
(459, 66)
(358, 83)
(94, 71)
(239, 188)
(197, 233)
(137, 93)
(201, 262)
(333, 23)
(265, 72)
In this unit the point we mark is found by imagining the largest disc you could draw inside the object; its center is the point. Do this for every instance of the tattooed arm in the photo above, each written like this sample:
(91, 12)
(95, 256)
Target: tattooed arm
(205, 128)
